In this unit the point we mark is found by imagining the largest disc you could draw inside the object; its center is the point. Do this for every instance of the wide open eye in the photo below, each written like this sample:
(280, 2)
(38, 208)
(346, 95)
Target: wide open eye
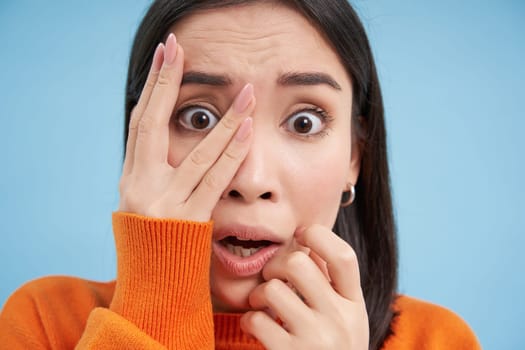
(197, 118)
(306, 122)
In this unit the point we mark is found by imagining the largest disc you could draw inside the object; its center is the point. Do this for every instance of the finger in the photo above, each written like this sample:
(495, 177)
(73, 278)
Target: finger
(138, 110)
(283, 301)
(220, 175)
(192, 169)
(301, 271)
(341, 259)
(153, 133)
(321, 264)
(266, 330)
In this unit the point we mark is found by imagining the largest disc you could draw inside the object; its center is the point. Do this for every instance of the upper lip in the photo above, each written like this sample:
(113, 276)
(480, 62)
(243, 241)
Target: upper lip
(244, 232)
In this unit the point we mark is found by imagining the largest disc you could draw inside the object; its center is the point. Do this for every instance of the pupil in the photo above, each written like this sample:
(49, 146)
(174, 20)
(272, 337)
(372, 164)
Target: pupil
(303, 125)
(199, 120)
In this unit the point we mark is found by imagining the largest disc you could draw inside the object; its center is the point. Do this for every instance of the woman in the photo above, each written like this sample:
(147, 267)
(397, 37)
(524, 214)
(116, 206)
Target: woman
(253, 130)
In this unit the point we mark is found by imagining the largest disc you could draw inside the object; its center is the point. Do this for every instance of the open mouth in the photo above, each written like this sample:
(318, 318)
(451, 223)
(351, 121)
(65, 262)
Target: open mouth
(243, 251)
(244, 248)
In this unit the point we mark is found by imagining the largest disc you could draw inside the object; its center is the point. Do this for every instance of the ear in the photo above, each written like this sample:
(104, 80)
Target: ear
(355, 158)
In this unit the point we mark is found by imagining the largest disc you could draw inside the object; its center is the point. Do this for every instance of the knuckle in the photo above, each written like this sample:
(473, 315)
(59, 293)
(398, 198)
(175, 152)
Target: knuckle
(164, 78)
(211, 181)
(150, 83)
(251, 319)
(246, 321)
(311, 231)
(328, 340)
(325, 338)
(146, 124)
(231, 153)
(347, 256)
(296, 261)
(198, 158)
(273, 287)
(229, 123)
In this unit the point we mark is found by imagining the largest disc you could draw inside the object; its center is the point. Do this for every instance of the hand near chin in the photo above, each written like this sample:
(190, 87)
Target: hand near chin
(151, 186)
(331, 314)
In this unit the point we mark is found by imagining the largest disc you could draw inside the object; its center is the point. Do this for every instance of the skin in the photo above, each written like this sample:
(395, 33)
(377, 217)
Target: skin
(255, 168)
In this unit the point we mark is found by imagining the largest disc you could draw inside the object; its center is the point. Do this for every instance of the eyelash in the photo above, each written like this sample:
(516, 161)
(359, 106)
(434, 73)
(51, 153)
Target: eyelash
(183, 109)
(326, 119)
(322, 114)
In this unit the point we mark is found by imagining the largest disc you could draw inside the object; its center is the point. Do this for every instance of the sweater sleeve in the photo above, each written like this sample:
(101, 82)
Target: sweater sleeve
(161, 297)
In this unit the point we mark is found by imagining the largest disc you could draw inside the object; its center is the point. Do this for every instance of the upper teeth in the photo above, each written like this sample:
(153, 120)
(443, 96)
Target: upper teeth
(240, 251)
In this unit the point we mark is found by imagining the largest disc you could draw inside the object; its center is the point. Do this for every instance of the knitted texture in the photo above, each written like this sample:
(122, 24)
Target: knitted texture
(161, 300)
(163, 279)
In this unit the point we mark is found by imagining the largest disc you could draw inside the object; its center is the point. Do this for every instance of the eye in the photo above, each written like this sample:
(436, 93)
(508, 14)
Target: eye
(307, 122)
(197, 118)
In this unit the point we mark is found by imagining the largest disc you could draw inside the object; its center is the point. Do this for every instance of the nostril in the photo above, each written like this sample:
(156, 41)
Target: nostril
(266, 195)
(237, 194)
(234, 194)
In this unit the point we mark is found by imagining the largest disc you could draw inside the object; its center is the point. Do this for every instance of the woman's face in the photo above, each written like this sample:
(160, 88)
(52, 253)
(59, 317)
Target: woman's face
(300, 160)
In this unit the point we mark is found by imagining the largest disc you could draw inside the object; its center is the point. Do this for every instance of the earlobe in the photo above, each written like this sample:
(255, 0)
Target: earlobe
(351, 196)
(353, 174)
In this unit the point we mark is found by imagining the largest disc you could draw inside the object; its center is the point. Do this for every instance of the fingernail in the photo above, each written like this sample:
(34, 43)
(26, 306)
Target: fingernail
(171, 49)
(244, 130)
(158, 57)
(243, 99)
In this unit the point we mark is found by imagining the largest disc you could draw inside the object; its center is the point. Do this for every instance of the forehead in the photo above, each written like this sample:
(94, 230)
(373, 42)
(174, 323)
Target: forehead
(255, 41)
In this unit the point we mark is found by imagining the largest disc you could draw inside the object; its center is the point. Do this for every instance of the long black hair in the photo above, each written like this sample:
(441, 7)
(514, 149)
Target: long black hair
(368, 224)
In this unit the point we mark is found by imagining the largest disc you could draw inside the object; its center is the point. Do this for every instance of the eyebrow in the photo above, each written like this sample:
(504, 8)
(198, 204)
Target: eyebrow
(195, 77)
(286, 79)
(308, 79)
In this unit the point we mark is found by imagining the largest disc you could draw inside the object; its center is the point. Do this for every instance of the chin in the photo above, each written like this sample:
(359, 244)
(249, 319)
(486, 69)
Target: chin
(231, 296)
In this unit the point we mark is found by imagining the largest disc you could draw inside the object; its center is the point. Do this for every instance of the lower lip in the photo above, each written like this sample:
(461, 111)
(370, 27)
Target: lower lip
(244, 266)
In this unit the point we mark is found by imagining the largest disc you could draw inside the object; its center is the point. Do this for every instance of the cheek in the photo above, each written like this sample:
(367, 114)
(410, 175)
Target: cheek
(318, 188)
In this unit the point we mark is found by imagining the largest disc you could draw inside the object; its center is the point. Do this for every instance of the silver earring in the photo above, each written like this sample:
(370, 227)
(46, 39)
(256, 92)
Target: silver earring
(350, 198)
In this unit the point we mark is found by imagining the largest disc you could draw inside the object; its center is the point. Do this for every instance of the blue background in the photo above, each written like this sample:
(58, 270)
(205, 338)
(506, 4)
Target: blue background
(452, 75)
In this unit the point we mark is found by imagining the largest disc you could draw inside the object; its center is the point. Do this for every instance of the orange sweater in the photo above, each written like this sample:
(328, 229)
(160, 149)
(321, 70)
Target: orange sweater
(161, 300)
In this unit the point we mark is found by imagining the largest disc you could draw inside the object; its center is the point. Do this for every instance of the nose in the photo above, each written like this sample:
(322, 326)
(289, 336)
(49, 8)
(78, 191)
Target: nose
(257, 177)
